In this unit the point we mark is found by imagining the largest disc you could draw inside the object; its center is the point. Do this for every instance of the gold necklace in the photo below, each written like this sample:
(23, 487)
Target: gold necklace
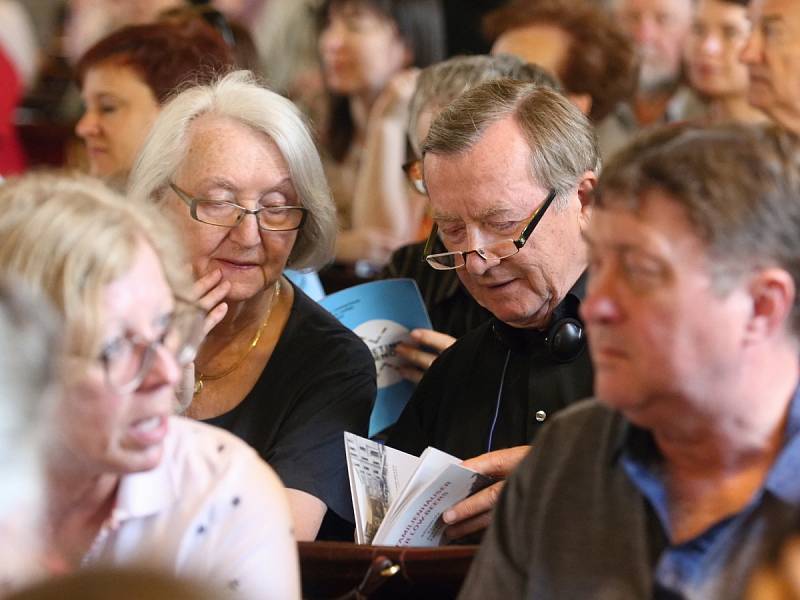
(201, 377)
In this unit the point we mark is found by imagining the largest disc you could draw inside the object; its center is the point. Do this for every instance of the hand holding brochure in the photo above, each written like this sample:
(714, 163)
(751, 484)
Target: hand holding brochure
(399, 499)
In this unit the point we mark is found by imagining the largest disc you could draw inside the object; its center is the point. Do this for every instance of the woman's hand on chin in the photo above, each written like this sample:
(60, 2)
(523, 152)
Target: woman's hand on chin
(209, 293)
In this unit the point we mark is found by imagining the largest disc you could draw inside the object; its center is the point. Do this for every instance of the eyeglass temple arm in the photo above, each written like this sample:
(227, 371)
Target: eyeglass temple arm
(429, 244)
(519, 243)
(181, 194)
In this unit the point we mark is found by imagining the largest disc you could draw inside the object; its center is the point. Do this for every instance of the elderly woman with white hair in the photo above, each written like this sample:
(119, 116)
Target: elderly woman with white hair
(126, 482)
(234, 165)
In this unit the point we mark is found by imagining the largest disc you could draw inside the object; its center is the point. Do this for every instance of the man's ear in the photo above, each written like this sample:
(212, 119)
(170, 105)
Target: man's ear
(586, 197)
(773, 294)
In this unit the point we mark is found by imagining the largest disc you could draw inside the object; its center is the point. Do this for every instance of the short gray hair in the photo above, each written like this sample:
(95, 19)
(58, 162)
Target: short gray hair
(562, 141)
(443, 82)
(240, 97)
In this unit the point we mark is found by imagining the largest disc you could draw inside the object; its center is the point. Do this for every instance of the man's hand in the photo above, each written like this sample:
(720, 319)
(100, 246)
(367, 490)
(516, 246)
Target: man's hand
(428, 345)
(474, 513)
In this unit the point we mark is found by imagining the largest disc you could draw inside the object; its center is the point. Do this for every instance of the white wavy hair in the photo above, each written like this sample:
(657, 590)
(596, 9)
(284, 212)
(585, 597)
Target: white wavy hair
(240, 97)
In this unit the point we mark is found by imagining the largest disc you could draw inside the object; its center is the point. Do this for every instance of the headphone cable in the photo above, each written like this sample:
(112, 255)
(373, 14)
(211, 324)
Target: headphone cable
(497, 405)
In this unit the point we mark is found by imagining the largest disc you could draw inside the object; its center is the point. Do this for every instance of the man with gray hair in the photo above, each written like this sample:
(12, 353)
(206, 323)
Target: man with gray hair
(452, 310)
(678, 478)
(509, 168)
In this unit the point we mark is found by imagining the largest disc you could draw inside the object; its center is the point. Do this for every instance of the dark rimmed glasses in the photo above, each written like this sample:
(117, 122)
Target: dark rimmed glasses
(229, 214)
(497, 251)
(128, 358)
(413, 171)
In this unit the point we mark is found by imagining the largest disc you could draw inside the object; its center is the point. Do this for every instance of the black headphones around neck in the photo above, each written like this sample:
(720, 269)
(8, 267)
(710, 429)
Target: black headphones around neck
(563, 341)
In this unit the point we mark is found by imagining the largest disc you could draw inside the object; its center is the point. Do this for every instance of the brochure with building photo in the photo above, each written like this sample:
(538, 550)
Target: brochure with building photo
(382, 313)
(399, 499)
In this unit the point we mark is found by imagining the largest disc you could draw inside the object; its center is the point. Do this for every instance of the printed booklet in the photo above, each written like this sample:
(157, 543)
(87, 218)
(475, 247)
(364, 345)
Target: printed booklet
(399, 499)
(382, 313)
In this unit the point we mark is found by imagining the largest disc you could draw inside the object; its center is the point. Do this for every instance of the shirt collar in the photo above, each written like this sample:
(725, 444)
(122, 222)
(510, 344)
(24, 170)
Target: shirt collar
(146, 493)
(782, 479)
(641, 460)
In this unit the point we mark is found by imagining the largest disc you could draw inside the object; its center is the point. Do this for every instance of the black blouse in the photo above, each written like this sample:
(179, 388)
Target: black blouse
(318, 383)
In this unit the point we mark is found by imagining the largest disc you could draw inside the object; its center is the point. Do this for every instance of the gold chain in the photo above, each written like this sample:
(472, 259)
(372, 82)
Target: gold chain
(201, 377)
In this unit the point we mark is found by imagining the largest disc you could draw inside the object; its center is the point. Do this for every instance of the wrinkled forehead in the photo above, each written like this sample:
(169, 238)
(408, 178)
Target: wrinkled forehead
(141, 292)
(668, 7)
(226, 142)
(475, 186)
(651, 219)
(721, 9)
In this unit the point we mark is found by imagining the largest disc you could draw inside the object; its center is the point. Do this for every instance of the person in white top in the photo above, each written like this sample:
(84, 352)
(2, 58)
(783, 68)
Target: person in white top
(18, 39)
(126, 482)
(27, 376)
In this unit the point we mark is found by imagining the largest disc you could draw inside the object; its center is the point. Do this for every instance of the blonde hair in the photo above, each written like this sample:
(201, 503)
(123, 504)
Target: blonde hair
(67, 236)
(239, 96)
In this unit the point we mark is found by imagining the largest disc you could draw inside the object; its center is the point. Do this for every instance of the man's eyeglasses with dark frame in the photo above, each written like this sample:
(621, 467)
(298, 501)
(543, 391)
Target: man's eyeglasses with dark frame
(446, 261)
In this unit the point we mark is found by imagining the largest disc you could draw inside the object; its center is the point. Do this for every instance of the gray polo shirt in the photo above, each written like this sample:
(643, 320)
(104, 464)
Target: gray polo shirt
(580, 519)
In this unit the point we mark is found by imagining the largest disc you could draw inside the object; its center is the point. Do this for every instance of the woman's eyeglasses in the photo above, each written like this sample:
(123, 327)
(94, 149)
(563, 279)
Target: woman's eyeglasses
(228, 214)
(127, 359)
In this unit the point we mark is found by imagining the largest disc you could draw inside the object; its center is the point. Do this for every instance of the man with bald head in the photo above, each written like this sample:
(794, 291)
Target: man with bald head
(772, 55)
(658, 29)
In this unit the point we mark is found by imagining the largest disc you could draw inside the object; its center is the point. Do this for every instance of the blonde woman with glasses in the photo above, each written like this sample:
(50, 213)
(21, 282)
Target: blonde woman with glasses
(127, 482)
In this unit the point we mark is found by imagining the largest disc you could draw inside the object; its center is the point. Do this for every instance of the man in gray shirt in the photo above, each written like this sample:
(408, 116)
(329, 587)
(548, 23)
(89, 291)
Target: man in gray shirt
(675, 480)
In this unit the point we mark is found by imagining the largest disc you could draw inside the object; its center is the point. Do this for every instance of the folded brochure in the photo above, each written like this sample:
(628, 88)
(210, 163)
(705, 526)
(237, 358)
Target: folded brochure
(399, 499)
(382, 313)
